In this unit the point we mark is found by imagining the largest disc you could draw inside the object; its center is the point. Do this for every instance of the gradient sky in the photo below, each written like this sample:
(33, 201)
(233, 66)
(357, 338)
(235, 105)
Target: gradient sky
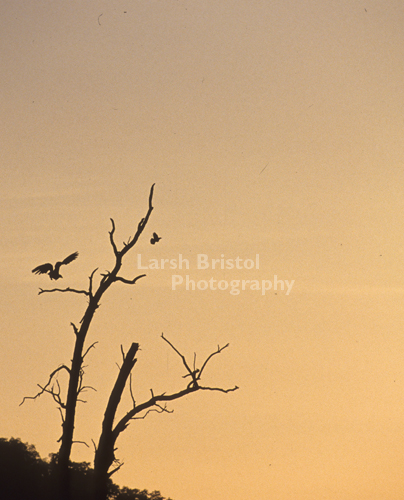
(269, 127)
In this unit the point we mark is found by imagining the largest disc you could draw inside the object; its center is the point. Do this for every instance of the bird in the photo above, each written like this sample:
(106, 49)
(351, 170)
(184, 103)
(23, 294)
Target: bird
(155, 239)
(54, 271)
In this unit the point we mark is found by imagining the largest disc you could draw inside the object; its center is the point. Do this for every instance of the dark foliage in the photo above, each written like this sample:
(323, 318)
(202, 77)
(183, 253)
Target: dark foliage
(24, 475)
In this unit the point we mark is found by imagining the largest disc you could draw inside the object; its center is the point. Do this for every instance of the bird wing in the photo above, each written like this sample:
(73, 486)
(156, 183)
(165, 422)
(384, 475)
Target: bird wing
(155, 236)
(69, 259)
(45, 268)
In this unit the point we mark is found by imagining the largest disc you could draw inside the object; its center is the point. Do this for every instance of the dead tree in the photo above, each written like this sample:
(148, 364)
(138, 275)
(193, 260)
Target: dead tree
(105, 451)
(104, 456)
(75, 371)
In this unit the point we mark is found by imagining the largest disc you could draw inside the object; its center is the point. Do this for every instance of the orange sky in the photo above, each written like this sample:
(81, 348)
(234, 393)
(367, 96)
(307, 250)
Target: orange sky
(269, 128)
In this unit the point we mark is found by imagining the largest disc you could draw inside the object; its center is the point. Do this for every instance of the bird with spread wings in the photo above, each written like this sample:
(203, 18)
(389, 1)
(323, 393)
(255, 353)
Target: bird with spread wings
(54, 271)
(155, 238)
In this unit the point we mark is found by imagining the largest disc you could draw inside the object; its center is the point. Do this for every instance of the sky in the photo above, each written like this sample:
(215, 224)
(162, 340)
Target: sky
(270, 128)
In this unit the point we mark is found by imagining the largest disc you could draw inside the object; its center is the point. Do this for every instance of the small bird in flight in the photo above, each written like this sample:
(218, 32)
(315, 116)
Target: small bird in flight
(155, 239)
(54, 271)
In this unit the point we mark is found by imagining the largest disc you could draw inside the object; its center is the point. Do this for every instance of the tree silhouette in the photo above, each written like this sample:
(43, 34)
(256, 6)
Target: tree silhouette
(23, 475)
(104, 455)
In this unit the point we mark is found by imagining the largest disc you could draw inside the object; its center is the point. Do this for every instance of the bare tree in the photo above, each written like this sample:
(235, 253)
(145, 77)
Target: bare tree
(105, 452)
(104, 456)
(75, 371)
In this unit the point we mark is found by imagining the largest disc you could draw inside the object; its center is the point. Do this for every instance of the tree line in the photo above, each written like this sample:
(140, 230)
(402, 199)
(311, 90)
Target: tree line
(24, 475)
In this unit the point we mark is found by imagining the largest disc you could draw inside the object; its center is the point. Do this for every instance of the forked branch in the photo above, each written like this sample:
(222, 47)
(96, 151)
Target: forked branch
(132, 240)
(105, 452)
(196, 373)
(154, 401)
(51, 391)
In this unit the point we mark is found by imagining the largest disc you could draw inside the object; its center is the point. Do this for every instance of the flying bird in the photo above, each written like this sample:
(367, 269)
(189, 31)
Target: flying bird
(54, 271)
(155, 239)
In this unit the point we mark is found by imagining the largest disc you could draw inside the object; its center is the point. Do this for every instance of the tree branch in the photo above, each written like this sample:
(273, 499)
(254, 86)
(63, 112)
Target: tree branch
(62, 418)
(80, 442)
(193, 386)
(131, 391)
(129, 282)
(91, 347)
(83, 388)
(142, 224)
(131, 241)
(45, 388)
(111, 238)
(90, 286)
(160, 409)
(218, 389)
(179, 354)
(219, 350)
(115, 470)
(105, 452)
(85, 292)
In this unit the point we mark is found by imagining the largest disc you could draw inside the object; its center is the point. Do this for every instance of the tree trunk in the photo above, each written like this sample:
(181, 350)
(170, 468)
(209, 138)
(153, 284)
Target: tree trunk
(104, 456)
(71, 402)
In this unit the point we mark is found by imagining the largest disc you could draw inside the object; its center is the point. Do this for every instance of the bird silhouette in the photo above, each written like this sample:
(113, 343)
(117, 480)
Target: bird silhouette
(54, 271)
(155, 239)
